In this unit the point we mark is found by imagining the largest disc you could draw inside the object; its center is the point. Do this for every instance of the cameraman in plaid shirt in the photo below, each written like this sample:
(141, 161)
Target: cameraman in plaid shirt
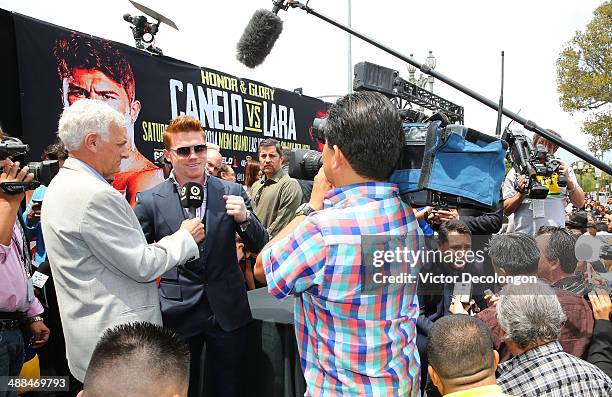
(352, 341)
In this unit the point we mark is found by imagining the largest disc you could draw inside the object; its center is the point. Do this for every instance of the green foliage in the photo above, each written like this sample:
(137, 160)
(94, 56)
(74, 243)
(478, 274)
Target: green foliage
(588, 181)
(599, 127)
(584, 77)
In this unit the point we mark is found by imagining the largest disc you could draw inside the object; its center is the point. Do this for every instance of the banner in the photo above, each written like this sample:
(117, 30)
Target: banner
(58, 67)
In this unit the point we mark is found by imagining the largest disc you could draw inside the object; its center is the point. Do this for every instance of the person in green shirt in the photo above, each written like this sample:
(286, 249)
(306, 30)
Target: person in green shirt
(276, 196)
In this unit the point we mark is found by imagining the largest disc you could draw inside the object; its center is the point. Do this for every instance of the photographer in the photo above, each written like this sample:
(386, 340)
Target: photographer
(354, 338)
(531, 214)
(18, 305)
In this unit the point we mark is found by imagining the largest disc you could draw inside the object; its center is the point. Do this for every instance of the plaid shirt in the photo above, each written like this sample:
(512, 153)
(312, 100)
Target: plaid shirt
(351, 342)
(548, 371)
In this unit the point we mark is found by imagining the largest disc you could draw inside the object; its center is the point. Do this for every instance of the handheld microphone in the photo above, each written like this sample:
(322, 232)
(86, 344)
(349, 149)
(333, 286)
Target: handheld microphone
(192, 197)
(259, 37)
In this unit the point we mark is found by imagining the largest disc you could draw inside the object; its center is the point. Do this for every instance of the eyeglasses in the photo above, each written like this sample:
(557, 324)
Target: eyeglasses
(186, 150)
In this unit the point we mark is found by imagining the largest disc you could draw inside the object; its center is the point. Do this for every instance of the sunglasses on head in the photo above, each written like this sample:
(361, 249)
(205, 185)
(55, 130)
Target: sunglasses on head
(185, 151)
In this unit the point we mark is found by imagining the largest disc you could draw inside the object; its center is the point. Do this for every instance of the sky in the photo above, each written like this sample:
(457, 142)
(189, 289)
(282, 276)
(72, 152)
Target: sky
(466, 37)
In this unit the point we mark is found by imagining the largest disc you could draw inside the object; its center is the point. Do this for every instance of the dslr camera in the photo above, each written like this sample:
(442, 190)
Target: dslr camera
(43, 171)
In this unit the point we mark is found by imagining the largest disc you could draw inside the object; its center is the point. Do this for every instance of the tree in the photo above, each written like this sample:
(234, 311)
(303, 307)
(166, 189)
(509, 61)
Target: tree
(584, 77)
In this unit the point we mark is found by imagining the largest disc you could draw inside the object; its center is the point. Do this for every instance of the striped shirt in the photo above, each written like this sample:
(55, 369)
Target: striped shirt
(352, 340)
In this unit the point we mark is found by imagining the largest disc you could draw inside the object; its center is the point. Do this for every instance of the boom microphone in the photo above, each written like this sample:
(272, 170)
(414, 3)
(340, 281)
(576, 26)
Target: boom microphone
(192, 197)
(259, 37)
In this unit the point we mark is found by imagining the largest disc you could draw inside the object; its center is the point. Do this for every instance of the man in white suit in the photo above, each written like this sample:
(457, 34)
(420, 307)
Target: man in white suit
(104, 270)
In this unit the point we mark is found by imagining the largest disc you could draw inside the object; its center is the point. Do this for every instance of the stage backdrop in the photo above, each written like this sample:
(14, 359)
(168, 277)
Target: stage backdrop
(235, 113)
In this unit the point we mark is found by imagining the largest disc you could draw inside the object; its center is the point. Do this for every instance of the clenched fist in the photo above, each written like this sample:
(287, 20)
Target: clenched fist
(235, 207)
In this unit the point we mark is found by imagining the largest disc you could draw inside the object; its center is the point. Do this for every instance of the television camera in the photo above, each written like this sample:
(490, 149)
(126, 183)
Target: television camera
(43, 171)
(440, 161)
(534, 163)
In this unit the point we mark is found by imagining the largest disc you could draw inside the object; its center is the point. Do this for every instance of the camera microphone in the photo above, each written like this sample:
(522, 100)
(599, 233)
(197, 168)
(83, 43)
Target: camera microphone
(191, 197)
(259, 36)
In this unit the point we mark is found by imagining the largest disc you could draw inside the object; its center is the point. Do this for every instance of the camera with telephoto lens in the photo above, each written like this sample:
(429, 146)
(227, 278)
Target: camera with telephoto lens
(532, 163)
(43, 171)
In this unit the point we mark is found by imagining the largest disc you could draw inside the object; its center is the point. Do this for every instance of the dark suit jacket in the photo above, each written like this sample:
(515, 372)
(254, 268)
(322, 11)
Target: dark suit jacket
(214, 282)
(435, 299)
(600, 351)
(482, 223)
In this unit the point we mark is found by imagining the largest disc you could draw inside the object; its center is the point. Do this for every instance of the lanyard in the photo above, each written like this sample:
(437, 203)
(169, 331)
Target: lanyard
(23, 251)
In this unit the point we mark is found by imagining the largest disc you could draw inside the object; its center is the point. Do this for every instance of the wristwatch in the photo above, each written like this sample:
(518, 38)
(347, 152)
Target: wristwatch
(304, 209)
(34, 319)
(244, 225)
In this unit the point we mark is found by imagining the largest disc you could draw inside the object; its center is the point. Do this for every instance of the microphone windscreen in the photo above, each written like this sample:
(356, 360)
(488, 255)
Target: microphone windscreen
(192, 195)
(258, 38)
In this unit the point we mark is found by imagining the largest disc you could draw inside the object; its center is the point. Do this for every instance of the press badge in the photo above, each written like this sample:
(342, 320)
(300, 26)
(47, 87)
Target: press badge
(39, 279)
(29, 291)
(537, 206)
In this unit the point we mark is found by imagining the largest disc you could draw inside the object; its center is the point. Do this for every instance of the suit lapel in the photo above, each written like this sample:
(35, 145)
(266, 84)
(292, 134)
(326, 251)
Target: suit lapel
(170, 206)
(215, 210)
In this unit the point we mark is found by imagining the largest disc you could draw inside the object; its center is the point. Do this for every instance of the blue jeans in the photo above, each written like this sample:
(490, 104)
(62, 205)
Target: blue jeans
(11, 356)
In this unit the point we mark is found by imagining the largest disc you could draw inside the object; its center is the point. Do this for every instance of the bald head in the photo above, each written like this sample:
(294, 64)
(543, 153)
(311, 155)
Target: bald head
(214, 160)
(461, 354)
(138, 359)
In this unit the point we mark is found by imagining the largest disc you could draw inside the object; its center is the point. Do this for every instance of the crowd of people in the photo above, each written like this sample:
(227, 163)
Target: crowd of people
(138, 297)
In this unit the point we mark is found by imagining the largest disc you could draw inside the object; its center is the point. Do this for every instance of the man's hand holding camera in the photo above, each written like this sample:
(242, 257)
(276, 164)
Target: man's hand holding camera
(438, 216)
(521, 184)
(564, 170)
(319, 190)
(12, 173)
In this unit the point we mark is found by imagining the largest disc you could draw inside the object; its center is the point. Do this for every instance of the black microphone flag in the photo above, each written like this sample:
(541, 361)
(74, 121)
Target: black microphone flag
(192, 197)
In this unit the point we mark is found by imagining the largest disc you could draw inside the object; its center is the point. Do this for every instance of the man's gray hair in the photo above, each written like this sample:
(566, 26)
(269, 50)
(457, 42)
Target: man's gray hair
(86, 116)
(516, 253)
(529, 313)
(561, 245)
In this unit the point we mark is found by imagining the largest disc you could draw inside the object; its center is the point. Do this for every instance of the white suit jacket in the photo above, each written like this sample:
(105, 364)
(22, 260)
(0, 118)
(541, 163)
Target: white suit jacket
(103, 268)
